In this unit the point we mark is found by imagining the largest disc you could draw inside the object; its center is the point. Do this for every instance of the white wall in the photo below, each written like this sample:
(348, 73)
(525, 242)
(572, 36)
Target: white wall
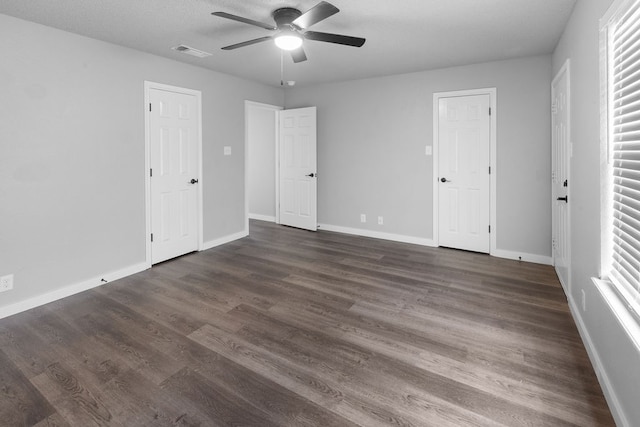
(619, 358)
(72, 198)
(261, 143)
(371, 150)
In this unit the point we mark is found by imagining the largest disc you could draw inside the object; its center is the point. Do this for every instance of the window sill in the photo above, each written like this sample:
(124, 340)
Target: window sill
(625, 315)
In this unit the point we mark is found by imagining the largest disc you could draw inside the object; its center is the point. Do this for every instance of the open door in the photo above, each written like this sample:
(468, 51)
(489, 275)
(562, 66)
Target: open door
(297, 168)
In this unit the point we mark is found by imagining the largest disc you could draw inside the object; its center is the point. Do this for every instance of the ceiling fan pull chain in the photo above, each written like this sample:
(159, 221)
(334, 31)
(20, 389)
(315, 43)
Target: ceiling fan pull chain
(281, 68)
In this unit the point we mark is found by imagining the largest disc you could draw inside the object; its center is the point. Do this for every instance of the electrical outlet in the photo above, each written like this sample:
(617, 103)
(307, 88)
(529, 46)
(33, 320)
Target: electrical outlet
(363, 218)
(584, 301)
(380, 220)
(6, 283)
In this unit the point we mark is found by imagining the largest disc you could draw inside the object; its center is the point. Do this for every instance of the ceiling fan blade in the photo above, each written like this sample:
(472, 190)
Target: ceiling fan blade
(319, 12)
(244, 20)
(298, 55)
(334, 38)
(247, 43)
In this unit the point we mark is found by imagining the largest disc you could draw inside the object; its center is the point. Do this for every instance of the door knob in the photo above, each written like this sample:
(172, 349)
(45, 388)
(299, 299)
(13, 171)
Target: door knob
(565, 198)
(311, 174)
(193, 181)
(444, 180)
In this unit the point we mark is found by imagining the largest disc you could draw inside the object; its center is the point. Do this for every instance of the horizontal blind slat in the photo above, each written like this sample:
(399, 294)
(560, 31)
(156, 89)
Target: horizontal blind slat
(626, 90)
(628, 106)
(621, 184)
(626, 99)
(626, 173)
(627, 74)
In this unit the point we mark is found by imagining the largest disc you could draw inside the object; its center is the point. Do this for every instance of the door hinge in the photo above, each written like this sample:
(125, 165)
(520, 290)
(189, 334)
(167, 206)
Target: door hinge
(149, 106)
(489, 170)
(489, 110)
(152, 237)
(489, 229)
(150, 172)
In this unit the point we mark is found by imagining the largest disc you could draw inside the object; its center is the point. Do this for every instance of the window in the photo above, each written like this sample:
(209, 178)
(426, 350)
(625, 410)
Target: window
(620, 47)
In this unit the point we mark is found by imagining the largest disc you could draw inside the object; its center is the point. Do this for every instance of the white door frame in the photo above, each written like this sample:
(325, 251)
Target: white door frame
(276, 109)
(565, 70)
(148, 86)
(492, 92)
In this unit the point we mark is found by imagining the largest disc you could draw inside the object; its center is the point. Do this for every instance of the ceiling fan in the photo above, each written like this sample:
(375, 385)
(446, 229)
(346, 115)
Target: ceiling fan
(291, 26)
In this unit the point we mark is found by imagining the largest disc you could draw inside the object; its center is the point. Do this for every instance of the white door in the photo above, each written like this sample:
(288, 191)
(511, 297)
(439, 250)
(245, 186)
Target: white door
(174, 130)
(463, 163)
(560, 173)
(297, 168)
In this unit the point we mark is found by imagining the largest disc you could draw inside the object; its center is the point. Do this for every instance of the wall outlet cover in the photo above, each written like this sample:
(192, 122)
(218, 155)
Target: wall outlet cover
(6, 283)
(363, 218)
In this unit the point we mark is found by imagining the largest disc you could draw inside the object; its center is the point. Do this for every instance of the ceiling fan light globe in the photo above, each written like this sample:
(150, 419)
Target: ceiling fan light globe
(288, 41)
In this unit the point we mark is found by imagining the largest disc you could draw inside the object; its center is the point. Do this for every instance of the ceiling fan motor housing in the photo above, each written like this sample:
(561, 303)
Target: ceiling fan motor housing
(285, 16)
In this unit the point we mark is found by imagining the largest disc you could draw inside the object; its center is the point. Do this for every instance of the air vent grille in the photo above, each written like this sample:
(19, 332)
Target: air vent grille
(191, 51)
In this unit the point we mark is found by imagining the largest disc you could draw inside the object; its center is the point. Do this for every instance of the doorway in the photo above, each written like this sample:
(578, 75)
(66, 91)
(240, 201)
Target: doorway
(281, 165)
(261, 131)
(560, 182)
(464, 169)
(173, 144)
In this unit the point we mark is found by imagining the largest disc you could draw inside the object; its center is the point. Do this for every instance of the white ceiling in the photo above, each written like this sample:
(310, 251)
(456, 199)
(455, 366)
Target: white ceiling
(402, 36)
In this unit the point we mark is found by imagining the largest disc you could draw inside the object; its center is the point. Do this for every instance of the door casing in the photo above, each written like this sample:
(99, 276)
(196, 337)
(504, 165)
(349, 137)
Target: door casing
(148, 86)
(492, 92)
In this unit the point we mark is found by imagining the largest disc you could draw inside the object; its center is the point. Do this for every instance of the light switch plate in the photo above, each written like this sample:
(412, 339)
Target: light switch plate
(428, 150)
(227, 150)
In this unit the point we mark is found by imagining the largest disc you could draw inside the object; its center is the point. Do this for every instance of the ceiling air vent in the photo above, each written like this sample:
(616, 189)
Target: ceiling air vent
(191, 51)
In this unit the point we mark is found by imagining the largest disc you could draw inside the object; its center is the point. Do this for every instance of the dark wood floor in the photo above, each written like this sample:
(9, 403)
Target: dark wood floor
(288, 327)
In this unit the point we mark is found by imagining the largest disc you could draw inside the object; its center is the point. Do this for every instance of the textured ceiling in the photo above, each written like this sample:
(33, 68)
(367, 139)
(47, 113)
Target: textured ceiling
(402, 36)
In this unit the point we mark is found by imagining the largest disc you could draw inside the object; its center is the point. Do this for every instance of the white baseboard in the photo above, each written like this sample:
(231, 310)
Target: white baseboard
(67, 291)
(538, 259)
(96, 281)
(262, 217)
(520, 256)
(377, 235)
(226, 239)
(598, 367)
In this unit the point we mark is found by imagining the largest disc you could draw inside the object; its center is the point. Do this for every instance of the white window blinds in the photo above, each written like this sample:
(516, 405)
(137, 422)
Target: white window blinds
(624, 145)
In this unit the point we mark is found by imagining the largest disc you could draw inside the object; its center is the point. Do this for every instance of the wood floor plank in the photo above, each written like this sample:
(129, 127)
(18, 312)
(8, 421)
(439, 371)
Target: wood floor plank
(287, 327)
(79, 402)
(20, 402)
